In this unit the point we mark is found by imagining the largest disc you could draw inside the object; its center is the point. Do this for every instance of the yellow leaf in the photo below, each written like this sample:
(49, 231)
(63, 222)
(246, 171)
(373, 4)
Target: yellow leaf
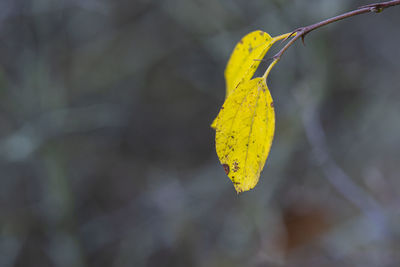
(244, 132)
(245, 58)
(245, 124)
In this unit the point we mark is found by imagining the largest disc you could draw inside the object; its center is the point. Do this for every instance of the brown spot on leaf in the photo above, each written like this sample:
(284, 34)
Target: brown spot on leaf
(235, 166)
(226, 168)
(272, 104)
(241, 42)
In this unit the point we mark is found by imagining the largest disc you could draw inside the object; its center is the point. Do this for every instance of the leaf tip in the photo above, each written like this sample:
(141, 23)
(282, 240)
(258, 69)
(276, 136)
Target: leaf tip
(214, 124)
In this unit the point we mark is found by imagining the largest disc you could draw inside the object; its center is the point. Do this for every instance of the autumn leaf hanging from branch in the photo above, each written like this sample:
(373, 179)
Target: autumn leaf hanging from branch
(245, 124)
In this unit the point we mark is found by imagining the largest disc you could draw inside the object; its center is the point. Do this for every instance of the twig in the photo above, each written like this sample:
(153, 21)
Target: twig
(303, 31)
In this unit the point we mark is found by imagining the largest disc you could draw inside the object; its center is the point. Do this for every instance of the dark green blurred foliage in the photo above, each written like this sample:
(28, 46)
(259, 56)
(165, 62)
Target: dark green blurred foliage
(107, 157)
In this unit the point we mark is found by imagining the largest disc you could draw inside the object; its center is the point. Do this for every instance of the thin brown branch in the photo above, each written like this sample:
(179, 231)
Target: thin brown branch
(303, 31)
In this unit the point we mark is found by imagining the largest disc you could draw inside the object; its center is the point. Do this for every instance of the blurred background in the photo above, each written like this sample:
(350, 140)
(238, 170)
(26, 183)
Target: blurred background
(107, 157)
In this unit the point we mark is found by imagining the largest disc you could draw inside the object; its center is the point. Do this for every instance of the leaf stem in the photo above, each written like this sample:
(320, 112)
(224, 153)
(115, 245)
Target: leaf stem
(303, 31)
(266, 73)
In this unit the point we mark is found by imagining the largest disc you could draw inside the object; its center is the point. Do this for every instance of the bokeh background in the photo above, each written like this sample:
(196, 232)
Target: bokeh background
(107, 157)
